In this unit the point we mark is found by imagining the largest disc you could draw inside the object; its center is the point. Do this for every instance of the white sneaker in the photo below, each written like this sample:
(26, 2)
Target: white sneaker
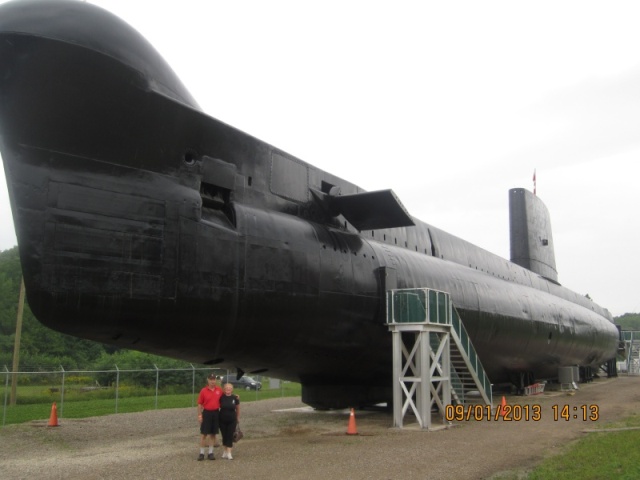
(229, 456)
(224, 455)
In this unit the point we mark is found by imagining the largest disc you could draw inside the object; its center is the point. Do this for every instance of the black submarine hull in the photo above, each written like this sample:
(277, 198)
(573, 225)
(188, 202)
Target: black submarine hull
(144, 223)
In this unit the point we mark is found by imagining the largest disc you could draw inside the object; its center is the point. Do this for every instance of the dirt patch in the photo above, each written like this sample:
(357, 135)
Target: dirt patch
(283, 439)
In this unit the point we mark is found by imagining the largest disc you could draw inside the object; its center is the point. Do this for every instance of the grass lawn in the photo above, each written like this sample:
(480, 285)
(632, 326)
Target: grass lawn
(103, 402)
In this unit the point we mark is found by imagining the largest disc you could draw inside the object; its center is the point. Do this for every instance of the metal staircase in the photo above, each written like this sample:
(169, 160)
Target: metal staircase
(424, 320)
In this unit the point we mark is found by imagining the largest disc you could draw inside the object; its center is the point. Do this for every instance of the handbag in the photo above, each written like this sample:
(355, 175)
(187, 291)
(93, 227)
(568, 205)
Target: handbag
(237, 435)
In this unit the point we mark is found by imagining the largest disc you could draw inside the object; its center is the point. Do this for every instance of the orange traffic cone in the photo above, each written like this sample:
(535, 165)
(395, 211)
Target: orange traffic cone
(503, 404)
(351, 429)
(53, 418)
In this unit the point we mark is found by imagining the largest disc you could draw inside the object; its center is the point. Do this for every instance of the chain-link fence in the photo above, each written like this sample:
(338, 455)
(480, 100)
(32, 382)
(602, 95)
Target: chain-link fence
(81, 393)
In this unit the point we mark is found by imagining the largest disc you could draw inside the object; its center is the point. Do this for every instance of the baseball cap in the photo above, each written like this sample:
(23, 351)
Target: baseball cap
(212, 376)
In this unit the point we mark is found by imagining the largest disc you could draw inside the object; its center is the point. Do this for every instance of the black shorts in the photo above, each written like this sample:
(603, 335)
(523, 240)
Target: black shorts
(210, 422)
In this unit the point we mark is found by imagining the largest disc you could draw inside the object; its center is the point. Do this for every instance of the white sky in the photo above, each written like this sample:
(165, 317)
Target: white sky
(450, 104)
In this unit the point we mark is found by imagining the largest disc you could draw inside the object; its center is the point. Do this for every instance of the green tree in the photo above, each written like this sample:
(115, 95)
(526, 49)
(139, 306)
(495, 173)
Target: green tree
(40, 347)
(177, 373)
(628, 321)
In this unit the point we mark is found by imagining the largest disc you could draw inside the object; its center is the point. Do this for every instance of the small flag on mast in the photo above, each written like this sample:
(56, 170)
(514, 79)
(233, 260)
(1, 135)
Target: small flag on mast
(534, 181)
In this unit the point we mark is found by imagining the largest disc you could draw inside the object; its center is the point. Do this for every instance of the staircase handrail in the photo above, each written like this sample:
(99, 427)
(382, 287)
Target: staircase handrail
(461, 337)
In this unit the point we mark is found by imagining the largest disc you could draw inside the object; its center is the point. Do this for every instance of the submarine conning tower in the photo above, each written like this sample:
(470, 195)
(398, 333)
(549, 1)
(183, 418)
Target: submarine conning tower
(530, 234)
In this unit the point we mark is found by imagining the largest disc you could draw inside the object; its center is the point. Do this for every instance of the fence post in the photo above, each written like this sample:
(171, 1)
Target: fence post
(62, 392)
(257, 380)
(6, 395)
(157, 381)
(193, 383)
(117, 385)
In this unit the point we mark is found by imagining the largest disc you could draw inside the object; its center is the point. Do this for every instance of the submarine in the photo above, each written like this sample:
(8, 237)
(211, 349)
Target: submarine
(145, 223)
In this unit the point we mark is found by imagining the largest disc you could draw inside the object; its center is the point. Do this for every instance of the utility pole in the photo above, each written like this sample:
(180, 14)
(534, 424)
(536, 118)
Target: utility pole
(16, 345)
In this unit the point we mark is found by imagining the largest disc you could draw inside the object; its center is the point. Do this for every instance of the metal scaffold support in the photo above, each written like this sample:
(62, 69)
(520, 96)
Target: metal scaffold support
(632, 351)
(424, 377)
(426, 334)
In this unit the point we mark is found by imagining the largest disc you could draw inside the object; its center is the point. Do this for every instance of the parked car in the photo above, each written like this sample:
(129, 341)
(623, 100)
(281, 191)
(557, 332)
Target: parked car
(246, 383)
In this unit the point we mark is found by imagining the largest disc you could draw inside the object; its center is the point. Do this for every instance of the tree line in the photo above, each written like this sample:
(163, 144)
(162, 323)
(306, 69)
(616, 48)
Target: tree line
(629, 321)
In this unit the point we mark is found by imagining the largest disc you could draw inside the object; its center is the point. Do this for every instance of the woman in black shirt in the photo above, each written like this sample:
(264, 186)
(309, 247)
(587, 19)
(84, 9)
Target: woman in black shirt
(229, 418)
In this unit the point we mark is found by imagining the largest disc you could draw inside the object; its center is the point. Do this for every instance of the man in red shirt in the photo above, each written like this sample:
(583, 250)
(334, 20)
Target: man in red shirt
(208, 410)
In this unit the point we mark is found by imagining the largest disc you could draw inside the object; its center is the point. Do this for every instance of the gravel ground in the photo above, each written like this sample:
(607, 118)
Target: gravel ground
(286, 440)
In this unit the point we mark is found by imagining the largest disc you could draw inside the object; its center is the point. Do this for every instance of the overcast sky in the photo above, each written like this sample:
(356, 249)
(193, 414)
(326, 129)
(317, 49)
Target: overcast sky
(450, 104)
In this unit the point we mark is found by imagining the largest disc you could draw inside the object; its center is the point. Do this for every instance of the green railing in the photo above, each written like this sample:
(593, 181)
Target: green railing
(467, 346)
(420, 305)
